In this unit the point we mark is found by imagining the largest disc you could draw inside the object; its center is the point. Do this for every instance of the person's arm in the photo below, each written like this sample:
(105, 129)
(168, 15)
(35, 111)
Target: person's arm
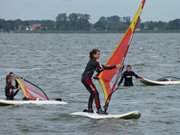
(16, 84)
(108, 67)
(137, 76)
(16, 87)
(120, 82)
(15, 93)
(99, 69)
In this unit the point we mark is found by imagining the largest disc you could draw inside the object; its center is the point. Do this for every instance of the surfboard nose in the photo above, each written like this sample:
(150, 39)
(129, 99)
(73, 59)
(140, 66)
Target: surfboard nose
(134, 115)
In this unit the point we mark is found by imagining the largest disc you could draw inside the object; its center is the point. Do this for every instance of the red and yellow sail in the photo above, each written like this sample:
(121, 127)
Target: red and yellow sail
(108, 78)
(31, 91)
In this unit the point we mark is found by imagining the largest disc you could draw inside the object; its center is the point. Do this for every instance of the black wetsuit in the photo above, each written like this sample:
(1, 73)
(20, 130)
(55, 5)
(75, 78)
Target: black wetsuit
(9, 90)
(86, 79)
(127, 77)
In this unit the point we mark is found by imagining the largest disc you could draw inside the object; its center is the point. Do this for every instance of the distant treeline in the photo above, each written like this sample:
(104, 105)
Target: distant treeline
(76, 22)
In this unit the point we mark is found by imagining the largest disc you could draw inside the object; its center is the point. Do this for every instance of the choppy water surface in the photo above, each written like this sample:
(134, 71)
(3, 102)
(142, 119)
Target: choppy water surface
(55, 62)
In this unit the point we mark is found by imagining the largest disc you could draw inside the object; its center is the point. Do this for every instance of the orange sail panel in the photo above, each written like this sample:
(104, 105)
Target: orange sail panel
(108, 79)
(31, 91)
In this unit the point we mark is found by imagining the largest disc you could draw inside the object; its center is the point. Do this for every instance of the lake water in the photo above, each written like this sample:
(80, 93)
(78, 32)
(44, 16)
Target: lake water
(55, 62)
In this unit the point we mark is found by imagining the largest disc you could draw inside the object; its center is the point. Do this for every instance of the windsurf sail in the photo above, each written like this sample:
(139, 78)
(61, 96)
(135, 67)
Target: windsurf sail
(31, 91)
(108, 79)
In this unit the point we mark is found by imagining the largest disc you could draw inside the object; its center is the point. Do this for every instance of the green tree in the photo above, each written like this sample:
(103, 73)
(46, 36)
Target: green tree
(48, 25)
(79, 22)
(110, 24)
(61, 22)
(101, 24)
(174, 24)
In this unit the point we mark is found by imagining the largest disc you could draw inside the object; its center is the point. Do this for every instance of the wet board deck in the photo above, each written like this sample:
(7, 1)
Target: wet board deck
(127, 116)
(149, 82)
(34, 102)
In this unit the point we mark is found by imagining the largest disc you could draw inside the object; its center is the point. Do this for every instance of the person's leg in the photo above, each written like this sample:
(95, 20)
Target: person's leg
(97, 99)
(91, 97)
(90, 102)
(95, 94)
(9, 98)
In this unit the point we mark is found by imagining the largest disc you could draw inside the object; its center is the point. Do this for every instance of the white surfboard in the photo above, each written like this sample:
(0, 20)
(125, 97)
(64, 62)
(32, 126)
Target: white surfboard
(151, 82)
(129, 115)
(34, 102)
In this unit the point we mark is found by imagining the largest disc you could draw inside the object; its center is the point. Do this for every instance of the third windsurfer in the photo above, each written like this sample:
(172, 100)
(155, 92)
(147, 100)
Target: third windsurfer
(127, 77)
(9, 89)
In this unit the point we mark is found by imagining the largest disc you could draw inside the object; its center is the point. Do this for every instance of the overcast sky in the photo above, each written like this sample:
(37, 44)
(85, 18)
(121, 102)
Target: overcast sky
(48, 9)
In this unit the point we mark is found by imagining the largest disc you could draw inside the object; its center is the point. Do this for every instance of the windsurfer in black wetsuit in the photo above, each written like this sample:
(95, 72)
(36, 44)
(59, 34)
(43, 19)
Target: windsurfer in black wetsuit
(10, 89)
(127, 77)
(92, 66)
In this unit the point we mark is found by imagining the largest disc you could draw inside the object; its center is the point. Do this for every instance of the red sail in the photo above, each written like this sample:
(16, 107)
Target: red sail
(108, 78)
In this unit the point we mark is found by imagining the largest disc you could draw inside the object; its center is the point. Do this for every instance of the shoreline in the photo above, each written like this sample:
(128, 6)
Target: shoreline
(85, 32)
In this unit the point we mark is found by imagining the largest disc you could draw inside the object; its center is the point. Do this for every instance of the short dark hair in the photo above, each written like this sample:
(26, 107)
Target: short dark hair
(11, 73)
(92, 52)
(129, 66)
